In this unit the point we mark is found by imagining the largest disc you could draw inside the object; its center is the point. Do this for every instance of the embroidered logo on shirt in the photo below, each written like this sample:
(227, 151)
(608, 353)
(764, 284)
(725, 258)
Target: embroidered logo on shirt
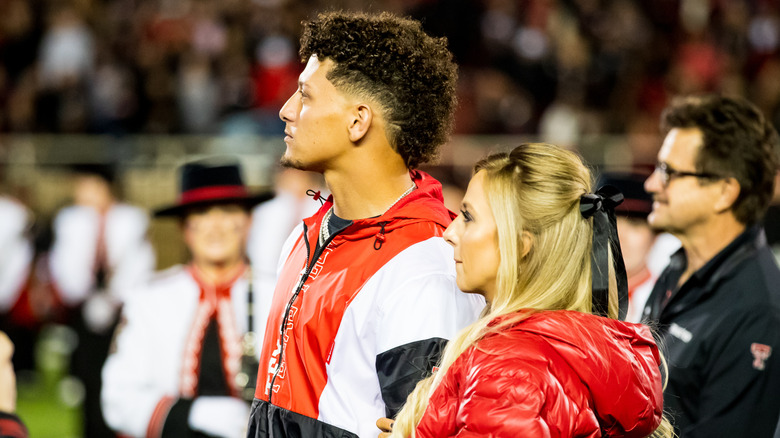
(761, 353)
(680, 333)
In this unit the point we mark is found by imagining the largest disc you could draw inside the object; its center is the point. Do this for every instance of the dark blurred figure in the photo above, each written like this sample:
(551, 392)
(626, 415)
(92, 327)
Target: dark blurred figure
(65, 66)
(100, 252)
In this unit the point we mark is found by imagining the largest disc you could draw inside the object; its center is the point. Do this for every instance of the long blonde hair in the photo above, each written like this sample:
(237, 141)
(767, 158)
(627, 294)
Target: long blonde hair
(535, 188)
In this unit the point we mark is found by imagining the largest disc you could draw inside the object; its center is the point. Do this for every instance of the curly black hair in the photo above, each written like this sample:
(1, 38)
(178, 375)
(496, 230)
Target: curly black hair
(737, 141)
(391, 60)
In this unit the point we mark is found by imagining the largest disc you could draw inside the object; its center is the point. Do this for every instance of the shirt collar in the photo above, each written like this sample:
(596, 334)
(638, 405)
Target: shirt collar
(725, 261)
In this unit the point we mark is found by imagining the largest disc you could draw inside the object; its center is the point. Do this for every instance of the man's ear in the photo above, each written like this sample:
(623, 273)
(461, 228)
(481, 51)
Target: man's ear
(362, 116)
(729, 193)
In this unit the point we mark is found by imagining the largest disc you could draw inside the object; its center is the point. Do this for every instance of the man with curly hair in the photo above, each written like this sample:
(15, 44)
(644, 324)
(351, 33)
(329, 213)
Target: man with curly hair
(366, 294)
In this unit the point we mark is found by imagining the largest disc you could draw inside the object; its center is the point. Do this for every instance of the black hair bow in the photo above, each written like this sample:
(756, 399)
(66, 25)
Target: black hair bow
(601, 207)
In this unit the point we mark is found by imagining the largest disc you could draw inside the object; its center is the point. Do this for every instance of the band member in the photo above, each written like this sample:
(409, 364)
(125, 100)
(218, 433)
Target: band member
(185, 352)
(100, 252)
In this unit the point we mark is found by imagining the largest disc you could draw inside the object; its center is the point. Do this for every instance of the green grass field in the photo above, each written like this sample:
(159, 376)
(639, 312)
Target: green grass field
(47, 400)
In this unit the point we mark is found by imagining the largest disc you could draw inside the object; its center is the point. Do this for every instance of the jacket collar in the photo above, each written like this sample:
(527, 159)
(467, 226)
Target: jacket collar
(720, 267)
(424, 204)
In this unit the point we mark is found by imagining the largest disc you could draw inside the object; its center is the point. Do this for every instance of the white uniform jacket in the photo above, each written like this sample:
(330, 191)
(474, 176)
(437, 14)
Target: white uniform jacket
(72, 260)
(153, 366)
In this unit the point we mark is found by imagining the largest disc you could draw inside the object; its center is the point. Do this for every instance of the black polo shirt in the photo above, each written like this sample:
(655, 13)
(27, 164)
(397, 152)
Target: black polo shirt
(720, 333)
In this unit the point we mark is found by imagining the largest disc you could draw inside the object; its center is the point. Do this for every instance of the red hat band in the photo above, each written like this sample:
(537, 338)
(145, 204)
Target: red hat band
(212, 193)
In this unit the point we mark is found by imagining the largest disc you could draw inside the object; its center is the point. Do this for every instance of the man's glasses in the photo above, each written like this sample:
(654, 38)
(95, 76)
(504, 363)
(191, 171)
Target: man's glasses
(667, 174)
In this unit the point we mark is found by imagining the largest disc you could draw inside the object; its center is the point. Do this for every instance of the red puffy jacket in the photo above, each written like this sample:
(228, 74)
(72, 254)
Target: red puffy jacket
(554, 374)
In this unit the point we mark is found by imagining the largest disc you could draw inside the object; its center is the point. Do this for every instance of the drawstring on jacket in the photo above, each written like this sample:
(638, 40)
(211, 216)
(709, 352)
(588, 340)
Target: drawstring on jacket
(380, 237)
(316, 195)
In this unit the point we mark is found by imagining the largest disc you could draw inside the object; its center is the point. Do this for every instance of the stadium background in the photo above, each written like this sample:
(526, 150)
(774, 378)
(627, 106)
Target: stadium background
(142, 85)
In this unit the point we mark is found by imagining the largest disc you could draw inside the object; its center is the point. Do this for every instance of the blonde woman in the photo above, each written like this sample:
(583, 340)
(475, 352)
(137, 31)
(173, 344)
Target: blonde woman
(541, 362)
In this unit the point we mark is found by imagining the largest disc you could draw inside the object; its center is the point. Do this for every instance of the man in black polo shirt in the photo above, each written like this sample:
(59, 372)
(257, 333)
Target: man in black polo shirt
(717, 304)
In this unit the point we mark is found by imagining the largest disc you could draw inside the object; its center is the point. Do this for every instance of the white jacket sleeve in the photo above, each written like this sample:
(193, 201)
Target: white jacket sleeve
(422, 309)
(16, 252)
(130, 394)
(72, 256)
(130, 253)
(425, 301)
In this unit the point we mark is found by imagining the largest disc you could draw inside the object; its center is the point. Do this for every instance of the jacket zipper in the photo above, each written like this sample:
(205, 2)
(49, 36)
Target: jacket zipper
(298, 288)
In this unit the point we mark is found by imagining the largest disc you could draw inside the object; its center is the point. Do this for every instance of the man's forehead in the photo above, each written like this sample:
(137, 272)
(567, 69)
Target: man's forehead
(315, 69)
(681, 144)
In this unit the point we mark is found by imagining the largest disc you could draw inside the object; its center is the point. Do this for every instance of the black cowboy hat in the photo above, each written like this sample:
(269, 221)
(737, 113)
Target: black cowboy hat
(205, 184)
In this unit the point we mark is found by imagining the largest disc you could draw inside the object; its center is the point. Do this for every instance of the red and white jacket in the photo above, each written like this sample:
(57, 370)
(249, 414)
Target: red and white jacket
(354, 326)
(151, 378)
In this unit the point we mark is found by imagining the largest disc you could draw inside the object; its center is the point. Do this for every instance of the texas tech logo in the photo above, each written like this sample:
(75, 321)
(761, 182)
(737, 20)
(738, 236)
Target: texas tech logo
(761, 353)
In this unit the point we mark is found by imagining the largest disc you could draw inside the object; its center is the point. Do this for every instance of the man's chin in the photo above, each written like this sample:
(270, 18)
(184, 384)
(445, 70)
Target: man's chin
(655, 223)
(291, 163)
(661, 227)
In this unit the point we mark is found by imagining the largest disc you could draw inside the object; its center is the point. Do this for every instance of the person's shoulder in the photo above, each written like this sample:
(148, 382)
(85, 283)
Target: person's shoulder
(176, 274)
(425, 257)
(516, 341)
(165, 283)
(508, 357)
(752, 284)
(164, 289)
(127, 212)
(75, 214)
(10, 205)
(14, 214)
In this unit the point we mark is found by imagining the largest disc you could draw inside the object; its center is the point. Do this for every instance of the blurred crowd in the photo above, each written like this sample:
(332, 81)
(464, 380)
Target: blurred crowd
(554, 69)
(560, 68)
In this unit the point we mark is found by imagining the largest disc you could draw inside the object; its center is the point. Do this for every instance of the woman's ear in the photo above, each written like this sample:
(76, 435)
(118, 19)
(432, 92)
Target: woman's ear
(362, 116)
(528, 243)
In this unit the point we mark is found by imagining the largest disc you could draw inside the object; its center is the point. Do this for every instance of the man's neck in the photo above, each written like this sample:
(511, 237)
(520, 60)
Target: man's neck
(703, 243)
(367, 191)
(218, 273)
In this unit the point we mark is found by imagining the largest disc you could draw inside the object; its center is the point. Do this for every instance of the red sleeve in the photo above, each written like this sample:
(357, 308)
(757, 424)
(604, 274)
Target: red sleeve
(11, 426)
